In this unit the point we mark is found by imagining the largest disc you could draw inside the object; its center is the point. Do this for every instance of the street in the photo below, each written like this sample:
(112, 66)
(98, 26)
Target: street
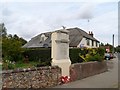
(107, 79)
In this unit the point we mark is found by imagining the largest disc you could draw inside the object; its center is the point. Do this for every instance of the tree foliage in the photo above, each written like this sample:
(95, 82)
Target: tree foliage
(93, 54)
(3, 30)
(11, 46)
(117, 49)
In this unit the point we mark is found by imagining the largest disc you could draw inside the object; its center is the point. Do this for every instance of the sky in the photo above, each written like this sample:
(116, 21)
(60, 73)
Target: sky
(30, 18)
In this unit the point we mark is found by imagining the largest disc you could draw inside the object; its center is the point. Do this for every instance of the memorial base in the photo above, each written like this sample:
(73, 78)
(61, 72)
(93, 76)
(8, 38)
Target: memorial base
(64, 64)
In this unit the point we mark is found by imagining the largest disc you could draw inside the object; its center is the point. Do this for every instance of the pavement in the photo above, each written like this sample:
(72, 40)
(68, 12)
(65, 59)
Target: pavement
(0, 75)
(108, 79)
(0, 80)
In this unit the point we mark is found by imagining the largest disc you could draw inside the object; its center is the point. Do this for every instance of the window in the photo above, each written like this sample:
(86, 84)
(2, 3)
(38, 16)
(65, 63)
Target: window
(96, 44)
(45, 45)
(42, 38)
(88, 42)
(92, 43)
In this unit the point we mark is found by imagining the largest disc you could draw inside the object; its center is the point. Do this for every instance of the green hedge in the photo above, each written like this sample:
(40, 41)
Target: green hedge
(74, 55)
(43, 55)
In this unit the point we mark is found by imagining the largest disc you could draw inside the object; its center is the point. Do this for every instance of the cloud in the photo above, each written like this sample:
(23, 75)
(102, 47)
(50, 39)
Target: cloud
(28, 24)
(6, 12)
(86, 11)
(59, 0)
(105, 26)
(27, 27)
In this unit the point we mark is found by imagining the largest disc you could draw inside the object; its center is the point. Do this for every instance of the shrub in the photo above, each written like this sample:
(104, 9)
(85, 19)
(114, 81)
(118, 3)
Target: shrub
(101, 51)
(93, 54)
(77, 55)
(7, 64)
(41, 55)
(74, 55)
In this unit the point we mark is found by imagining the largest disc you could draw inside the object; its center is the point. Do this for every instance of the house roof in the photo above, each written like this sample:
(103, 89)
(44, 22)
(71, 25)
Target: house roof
(75, 36)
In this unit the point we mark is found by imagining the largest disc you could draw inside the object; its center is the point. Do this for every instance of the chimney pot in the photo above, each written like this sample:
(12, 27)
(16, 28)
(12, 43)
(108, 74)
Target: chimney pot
(91, 33)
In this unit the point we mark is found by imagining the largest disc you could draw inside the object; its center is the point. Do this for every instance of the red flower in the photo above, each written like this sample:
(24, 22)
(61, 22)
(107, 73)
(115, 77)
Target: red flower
(65, 79)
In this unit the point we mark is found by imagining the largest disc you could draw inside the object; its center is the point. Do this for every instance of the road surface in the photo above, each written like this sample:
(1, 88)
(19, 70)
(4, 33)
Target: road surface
(107, 79)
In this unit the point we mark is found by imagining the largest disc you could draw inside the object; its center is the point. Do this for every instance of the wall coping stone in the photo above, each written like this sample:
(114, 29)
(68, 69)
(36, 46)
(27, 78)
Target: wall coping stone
(72, 65)
(18, 70)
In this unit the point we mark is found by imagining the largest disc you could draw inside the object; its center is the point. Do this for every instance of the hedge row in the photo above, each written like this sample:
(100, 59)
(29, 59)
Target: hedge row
(74, 55)
(43, 55)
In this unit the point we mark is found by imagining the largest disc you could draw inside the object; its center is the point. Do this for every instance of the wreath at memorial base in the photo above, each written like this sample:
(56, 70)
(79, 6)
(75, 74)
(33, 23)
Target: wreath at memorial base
(64, 79)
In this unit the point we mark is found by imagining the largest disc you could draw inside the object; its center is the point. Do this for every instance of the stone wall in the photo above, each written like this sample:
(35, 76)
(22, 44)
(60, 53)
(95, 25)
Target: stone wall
(46, 77)
(82, 70)
(42, 77)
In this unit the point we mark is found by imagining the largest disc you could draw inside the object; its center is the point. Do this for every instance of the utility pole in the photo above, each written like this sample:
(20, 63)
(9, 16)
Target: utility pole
(113, 44)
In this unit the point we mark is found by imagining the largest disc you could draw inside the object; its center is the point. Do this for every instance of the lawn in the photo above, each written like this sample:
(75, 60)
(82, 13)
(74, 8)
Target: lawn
(19, 65)
(25, 65)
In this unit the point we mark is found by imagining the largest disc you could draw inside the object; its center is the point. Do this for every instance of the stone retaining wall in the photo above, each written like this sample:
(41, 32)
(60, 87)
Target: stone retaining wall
(45, 77)
(42, 77)
(81, 70)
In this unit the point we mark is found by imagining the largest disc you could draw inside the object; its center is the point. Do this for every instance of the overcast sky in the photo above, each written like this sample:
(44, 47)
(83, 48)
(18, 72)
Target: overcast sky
(28, 19)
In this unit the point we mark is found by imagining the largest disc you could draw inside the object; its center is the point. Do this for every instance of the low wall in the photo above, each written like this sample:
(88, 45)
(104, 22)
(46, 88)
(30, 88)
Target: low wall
(42, 77)
(45, 77)
(81, 70)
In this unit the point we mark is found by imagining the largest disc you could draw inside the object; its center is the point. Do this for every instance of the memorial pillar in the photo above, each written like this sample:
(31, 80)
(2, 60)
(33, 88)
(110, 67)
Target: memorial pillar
(60, 50)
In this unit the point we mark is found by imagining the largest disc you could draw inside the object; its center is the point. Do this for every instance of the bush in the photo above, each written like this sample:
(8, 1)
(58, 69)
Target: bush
(77, 55)
(74, 55)
(101, 51)
(41, 55)
(96, 57)
(93, 54)
(8, 65)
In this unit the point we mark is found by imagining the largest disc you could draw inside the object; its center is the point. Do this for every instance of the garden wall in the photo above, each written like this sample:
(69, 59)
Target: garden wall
(82, 70)
(41, 77)
(45, 77)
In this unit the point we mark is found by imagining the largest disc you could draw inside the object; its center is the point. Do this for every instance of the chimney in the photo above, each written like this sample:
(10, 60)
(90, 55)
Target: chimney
(91, 33)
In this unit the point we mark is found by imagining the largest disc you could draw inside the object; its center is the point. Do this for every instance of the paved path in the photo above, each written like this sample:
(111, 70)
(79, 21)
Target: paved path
(0, 76)
(0, 81)
(107, 79)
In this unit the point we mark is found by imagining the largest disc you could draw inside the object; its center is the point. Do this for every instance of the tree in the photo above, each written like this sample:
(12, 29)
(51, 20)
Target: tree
(15, 37)
(3, 30)
(11, 46)
(117, 49)
(101, 44)
(109, 46)
(23, 41)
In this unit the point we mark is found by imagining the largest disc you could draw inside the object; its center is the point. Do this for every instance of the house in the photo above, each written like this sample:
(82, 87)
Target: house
(78, 38)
